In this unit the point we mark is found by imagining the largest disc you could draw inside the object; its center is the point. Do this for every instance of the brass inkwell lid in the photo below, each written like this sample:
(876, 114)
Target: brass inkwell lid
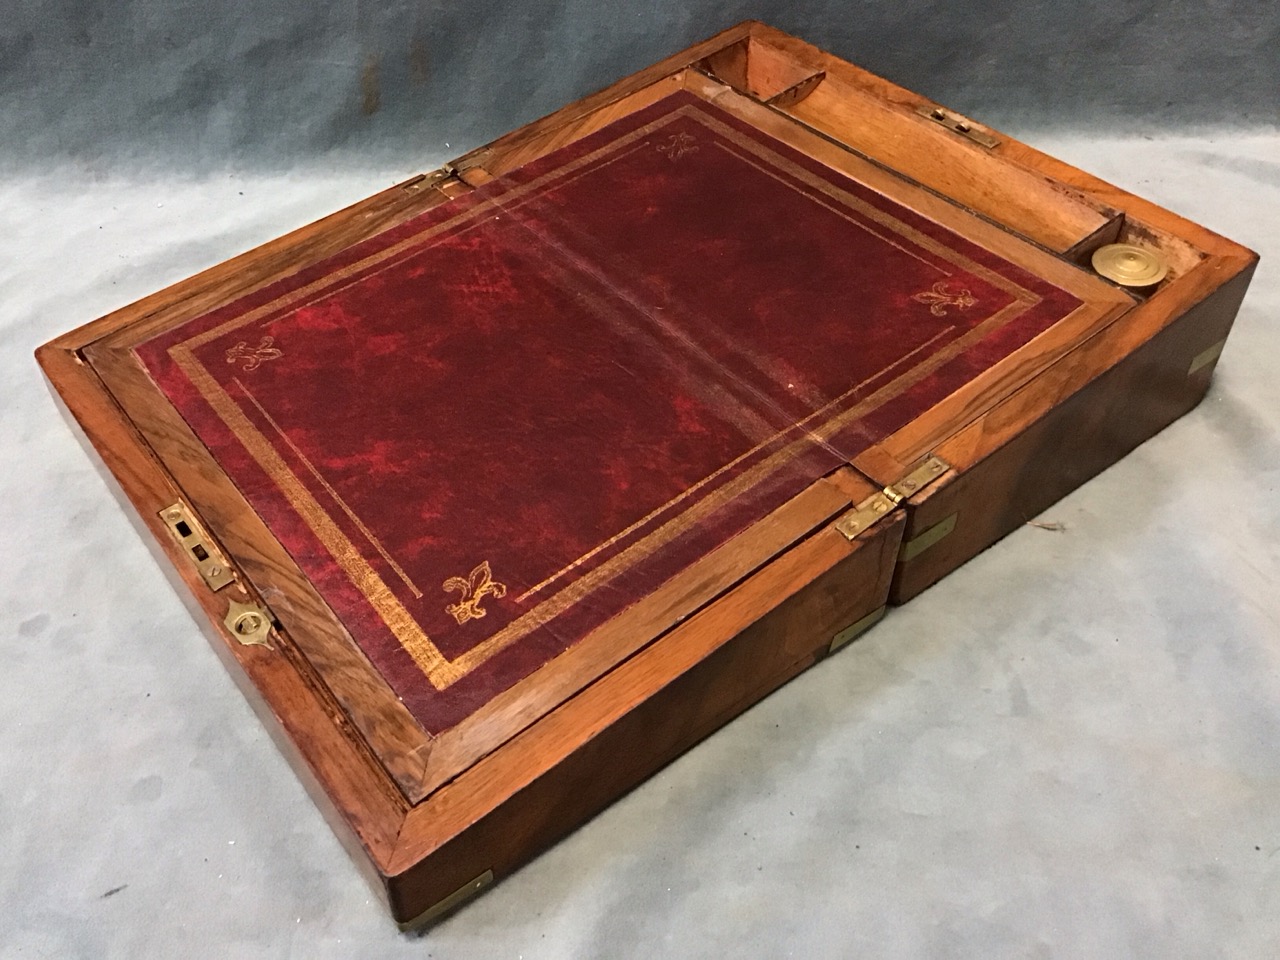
(1130, 265)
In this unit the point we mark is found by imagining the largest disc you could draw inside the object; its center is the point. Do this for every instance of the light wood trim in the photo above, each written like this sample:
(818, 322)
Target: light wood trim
(1070, 373)
(612, 642)
(504, 773)
(363, 805)
(1014, 156)
(893, 456)
(482, 165)
(336, 661)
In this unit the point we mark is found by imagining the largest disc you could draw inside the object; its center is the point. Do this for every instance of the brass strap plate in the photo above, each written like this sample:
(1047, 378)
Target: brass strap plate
(198, 546)
(856, 629)
(927, 538)
(463, 893)
(1206, 357)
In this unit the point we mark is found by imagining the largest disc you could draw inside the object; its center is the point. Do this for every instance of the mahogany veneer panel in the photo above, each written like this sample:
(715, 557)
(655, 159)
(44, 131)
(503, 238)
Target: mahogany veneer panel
(749, 249)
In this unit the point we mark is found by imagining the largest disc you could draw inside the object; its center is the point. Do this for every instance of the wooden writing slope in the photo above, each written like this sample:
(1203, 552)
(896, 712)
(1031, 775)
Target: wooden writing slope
(508, 484)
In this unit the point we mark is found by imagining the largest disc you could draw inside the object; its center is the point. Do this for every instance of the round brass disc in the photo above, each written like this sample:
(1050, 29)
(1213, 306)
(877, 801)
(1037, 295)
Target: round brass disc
(1129, 265)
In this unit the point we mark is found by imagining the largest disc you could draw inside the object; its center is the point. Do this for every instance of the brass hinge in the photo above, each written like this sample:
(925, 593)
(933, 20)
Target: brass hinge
(424, 181)
(922, 474)
(865, 514)
(957, 124)
(199, 547)
(879, 504)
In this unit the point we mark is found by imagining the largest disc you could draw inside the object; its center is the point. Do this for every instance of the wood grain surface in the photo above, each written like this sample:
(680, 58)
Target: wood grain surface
(422, 815)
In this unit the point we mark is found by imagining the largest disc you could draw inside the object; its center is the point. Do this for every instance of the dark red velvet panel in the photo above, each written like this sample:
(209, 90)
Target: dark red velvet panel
(489, 430)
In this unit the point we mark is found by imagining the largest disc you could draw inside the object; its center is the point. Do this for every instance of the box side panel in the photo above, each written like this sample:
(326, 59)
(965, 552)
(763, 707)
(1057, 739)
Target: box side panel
(693, 703)
(358, 801)
(1075, 440)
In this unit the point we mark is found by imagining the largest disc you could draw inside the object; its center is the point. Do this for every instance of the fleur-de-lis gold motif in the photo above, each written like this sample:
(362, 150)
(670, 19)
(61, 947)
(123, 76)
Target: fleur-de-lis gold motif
(474, 588)
(677, 145)
(939, 298)
(251, 358)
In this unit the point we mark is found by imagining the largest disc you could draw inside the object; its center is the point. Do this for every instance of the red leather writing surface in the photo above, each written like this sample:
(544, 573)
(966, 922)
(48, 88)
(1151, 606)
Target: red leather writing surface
(487, 431)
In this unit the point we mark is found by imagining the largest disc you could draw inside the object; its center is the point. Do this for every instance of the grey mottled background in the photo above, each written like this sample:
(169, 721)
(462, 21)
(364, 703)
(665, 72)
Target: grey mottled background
(201, 83)
(1069, 748)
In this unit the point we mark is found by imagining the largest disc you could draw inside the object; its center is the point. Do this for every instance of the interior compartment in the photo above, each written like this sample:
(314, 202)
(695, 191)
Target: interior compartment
(762, 72)
(900, 130)
(1180, 254)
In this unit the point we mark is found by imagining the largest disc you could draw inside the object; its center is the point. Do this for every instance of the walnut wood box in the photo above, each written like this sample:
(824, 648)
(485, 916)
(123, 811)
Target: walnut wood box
(506, 485)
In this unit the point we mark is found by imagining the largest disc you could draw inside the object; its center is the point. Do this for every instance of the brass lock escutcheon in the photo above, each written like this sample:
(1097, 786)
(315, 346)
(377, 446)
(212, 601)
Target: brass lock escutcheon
(249, 623)
(1130, 265)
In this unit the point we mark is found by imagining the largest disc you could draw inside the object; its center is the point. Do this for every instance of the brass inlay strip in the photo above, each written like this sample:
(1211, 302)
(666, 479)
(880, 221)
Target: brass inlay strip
(856, 629)
(919, 544)
(459, 896)
(1206, 357)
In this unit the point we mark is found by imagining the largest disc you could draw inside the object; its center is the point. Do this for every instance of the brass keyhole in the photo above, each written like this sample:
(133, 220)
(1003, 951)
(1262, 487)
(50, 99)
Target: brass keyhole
(248, 624)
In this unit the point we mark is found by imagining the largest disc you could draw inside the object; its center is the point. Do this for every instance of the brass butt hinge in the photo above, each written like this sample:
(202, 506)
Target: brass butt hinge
(879, 504)
(426, 181)
(957, 124)
(454, 177)
(865, 514)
